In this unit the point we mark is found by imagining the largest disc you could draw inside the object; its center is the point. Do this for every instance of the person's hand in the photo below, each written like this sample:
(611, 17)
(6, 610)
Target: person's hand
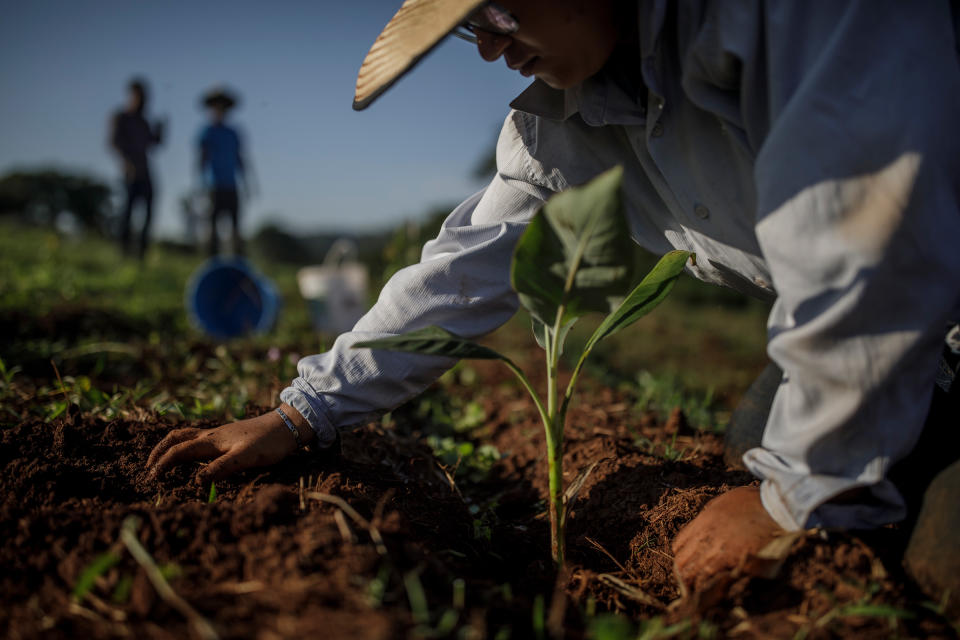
(732, 528)
(256, 442)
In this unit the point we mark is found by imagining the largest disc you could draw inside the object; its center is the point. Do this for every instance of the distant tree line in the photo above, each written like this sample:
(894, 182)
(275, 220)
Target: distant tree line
(48, 196)
(51, 197)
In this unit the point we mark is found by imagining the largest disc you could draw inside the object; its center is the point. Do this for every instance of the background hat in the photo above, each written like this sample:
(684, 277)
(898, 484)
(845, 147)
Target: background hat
(218, 96)
(413, 32)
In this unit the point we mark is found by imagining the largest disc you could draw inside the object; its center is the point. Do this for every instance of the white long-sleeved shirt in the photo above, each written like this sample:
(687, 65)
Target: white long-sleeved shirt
(807, 152)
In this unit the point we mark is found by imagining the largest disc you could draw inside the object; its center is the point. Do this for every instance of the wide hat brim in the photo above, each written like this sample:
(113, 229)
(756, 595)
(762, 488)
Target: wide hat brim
(411, 34)
(219, 98)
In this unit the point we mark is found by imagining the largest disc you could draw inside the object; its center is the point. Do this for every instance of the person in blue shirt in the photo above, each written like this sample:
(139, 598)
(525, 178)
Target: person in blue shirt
(222, 167)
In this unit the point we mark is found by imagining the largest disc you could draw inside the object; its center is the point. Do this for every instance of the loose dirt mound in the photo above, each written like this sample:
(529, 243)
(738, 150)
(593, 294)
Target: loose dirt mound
(267, 559)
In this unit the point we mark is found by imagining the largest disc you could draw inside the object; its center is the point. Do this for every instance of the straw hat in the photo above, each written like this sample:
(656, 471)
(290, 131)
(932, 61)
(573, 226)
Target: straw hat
(413, 32)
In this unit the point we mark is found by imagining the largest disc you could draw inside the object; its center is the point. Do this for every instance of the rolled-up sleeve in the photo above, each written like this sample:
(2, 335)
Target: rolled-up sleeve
(461, 283)
(854, 108)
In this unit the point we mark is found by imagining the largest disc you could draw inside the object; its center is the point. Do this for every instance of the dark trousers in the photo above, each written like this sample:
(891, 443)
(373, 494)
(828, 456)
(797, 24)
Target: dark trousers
(224, 203)
(137, 190)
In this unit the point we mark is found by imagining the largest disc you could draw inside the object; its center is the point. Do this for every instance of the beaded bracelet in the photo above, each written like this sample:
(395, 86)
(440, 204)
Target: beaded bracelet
(290, 425)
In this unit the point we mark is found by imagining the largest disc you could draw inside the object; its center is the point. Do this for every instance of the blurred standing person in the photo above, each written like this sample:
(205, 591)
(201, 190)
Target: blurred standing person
(131, 136)
(221, 163)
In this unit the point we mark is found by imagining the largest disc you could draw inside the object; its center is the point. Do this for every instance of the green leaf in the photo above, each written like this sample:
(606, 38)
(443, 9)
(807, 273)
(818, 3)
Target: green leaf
(645, 297)
(432, 341)
(100, 565)
(575, 253)
(213, 493)
(56, 410)
(542, 333)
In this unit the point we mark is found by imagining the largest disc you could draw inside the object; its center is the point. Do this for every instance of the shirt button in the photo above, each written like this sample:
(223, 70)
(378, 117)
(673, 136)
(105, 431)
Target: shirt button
(702, 212)
(657, 130)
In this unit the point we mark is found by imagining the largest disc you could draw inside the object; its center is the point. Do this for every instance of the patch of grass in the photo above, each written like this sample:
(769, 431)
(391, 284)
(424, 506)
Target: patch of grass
(444, 414)
(661, 393)
(466, 460)
(664, 450)
(42, 271)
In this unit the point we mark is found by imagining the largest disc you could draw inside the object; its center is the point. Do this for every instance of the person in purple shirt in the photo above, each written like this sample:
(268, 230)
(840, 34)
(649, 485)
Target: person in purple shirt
(131, 136)
(221, 165)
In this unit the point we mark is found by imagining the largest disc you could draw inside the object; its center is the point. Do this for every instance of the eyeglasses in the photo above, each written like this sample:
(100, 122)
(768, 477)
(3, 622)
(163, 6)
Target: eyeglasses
(489, 17)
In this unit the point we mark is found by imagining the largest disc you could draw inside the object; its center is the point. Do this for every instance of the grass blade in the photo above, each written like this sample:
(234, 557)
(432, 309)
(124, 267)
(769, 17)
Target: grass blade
(128, 535)
(100, 565)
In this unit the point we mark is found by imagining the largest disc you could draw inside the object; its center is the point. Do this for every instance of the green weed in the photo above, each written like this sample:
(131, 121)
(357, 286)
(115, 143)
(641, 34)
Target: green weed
(866, 609)
(7, 374)
(661, 393)
(99, 566)
(79, 392)
(377, 588)
(664, 450)
(484, 519)
(466, 460)
(538, 617)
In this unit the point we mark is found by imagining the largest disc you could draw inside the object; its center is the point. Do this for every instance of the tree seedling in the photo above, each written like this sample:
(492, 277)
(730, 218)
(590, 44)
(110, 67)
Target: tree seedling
(575, 257)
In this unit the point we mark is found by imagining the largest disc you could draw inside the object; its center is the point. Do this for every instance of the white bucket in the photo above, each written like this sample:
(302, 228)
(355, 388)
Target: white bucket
(336, 291)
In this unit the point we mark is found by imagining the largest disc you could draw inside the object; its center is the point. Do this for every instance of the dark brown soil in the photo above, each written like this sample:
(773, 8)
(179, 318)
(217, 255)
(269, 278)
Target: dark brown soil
(266, 560)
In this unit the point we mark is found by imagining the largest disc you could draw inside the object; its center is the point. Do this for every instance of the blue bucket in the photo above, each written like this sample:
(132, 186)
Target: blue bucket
(227, 298)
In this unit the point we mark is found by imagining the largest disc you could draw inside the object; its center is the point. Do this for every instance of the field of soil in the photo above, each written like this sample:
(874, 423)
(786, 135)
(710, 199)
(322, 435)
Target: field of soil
(387, 541)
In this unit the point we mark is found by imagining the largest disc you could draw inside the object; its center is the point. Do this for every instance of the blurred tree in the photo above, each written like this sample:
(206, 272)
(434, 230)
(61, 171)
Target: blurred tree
(273, 244)
(47, 196)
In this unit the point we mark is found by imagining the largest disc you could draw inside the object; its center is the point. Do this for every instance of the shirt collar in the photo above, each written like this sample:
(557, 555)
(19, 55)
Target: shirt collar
(599, 100)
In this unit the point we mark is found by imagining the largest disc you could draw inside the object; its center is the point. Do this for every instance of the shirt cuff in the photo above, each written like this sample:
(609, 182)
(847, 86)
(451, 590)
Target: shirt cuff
(797, 500)
(314, 411)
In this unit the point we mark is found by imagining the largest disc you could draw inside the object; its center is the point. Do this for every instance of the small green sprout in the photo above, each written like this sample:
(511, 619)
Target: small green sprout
(574, 258)
(212, 497)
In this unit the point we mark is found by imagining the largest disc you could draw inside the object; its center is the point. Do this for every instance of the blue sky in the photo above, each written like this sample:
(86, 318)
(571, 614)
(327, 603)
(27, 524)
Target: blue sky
(320, 165)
